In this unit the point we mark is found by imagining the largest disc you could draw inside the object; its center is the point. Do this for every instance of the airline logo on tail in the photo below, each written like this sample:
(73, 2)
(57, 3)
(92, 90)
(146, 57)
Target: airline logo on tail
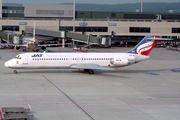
(145, 46)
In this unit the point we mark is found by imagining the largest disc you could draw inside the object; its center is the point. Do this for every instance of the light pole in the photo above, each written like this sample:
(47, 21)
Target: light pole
(141, 5)
(74, 17)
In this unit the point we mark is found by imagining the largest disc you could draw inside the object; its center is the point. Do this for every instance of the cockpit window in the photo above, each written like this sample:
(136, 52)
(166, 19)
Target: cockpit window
(17, 57)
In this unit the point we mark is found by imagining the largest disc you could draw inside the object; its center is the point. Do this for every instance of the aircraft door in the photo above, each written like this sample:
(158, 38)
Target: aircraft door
(25, 59)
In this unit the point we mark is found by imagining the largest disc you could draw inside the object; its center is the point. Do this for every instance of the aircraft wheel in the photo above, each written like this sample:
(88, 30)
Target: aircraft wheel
(15, 71)
(91, 71)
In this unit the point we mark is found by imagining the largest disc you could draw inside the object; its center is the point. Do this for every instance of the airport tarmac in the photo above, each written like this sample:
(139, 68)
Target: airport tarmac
(149, 90)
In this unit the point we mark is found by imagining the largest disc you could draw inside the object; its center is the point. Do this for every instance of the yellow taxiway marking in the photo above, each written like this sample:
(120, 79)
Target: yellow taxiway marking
(163, 57)
(171, 80)
(159, 66)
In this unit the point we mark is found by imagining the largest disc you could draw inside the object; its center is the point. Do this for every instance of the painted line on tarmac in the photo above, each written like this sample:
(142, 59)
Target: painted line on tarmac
(164, 57)
(105, 102)
(159, 66)
(29, 106)
(171, 80)
(70, 99)
(15, 52)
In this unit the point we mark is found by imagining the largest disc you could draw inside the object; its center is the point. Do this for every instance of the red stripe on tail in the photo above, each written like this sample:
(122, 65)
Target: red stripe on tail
(148, 51)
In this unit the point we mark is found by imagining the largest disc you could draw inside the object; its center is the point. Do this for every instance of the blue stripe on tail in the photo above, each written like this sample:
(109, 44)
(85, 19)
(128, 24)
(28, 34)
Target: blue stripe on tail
(144, 46)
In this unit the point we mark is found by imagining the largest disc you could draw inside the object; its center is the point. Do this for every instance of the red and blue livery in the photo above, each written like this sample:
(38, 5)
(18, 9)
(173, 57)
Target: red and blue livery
(146, 45)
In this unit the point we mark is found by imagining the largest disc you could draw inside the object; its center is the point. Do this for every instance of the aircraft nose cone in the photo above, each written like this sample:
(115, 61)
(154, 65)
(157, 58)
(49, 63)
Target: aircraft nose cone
(6, 64)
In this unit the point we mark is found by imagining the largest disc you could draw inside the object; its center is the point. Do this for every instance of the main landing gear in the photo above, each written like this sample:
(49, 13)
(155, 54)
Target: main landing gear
(15, 71)
(90, 71)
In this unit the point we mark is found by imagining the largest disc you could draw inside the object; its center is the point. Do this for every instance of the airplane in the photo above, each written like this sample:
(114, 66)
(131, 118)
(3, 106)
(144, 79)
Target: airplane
(87, 61)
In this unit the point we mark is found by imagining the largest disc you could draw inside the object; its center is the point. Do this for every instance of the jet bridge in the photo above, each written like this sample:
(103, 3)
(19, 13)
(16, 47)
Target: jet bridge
(89, 39)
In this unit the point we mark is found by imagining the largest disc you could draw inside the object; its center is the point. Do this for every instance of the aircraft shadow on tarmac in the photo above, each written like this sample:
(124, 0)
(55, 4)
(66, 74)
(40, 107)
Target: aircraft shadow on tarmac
(148, 72)
(110, 73)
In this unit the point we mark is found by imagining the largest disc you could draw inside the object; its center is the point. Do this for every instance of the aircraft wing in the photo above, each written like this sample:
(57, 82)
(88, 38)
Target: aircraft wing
(90, 66)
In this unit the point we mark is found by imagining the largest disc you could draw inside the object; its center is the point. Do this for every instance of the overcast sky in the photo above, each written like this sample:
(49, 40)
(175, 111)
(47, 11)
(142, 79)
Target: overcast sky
(83, 1)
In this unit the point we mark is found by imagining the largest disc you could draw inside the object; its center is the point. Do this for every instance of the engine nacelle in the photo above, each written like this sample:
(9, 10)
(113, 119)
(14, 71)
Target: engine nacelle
(119, 62)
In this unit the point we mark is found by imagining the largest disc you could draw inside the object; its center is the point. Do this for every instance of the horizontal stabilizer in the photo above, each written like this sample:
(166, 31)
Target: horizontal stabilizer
(163, 39)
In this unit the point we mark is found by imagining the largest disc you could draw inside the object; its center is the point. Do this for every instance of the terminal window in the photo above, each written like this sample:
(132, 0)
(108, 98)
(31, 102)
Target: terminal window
(175, 30)
(12, 11)
(84, 29)
(61, 12)
(140, 29)
(113, 15)
(91, 29)
(10, 28)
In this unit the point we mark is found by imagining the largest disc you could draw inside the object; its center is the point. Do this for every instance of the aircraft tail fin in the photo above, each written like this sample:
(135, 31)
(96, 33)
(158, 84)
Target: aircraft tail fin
(145, 46)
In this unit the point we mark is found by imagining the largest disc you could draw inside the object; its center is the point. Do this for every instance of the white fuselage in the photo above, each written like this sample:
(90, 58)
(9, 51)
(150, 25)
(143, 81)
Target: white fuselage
(66, 60)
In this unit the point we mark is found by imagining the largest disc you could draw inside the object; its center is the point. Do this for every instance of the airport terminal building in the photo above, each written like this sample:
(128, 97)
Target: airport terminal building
(116, 24)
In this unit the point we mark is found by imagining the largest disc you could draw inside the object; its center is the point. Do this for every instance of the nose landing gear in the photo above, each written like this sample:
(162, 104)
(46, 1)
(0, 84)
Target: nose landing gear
(15, 71)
